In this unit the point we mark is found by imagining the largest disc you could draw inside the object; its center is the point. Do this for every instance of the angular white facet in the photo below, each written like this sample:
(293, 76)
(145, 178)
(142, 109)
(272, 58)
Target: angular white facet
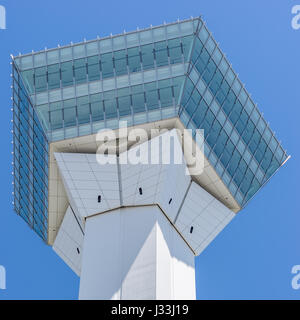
(143, 223)
(135, 253)
(85, 180)
(69, 241)
(201, 218)
(159, 183)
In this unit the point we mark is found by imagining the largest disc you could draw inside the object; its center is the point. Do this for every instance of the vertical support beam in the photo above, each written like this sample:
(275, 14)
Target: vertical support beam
(135, 253)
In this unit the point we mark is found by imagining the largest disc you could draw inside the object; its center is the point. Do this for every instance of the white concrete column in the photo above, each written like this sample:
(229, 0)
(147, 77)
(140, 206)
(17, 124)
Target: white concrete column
(135, 253)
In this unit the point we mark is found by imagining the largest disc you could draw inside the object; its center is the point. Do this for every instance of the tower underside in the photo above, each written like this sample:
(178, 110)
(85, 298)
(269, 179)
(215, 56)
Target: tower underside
(131, 230)
(135, 253)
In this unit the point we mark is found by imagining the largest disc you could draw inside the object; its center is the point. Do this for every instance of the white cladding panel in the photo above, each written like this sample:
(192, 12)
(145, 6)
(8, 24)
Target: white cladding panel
(135, 253)
(69, 240)
(196, 214)
(205, 215)
(85, 179)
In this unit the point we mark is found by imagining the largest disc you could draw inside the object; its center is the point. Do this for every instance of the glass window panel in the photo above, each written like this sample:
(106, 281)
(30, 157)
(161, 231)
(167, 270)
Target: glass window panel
(152, 98)
(210, 45)
(53, 76)
(217, 56)
(41, 79)
(214, 108)
(96, 97)
(161, 53)
(177, 85)
(159, 34)
(124, 103)
(134, 62)
(82, 90)
(243, 96)
(92, 48)
(166, 96)
(172, 31)
(186, 46)
(145, 37)
(200, 114)
(97, 111)
(203, 34)
(120, 59)
(138, 102)
(273, 144)
(110, 104)
(70, 117)
(122, 81)
(107, 65)
(67, 73)
(56, 119)
(194, 75)
(186, 27)
(136, 78)
(108, 84)
(279, 154)
(105, 45)
(123, 92)
(39, 59)
(261, 125)
(94, 87)
(83, 111)
(236, 87)
(27, 62)
(41, 98)
(119, 42)
(208, 97)
(175, 51)
(80, 70)
(249, 106)
(55, 106)
(221, 117)
(147, 56)
(69, 103)
(198, 46)
(43, 112)
(28, 77)
(202, 61)
(272, 168)
(93, 68)
(224, 66)
(163, 73)
(68, 93)
(66, 54)
(267, 135)
(255, 116)
(132, 39)
(137, 89)
(79, 51)
(230, 77)
(53, 56)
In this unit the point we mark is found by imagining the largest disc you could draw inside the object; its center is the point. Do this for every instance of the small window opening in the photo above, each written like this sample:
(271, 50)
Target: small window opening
(140, 191)
(170, 201)
(99, 199)
(78, 251)
(192, 229)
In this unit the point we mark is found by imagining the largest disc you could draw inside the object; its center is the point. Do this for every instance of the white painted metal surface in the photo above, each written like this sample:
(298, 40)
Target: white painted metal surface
(142, 224)
(135, 253)
(69, 240)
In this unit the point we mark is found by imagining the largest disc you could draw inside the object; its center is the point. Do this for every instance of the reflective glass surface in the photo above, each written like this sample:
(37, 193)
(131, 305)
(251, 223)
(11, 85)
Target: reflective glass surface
(239, 143)
(30, 161)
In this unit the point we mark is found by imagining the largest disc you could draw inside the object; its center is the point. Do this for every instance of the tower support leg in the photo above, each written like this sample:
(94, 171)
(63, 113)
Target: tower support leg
(135, 253)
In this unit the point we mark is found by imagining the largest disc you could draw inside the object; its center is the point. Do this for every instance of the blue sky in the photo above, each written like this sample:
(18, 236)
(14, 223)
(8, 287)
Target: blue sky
(252, 258)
